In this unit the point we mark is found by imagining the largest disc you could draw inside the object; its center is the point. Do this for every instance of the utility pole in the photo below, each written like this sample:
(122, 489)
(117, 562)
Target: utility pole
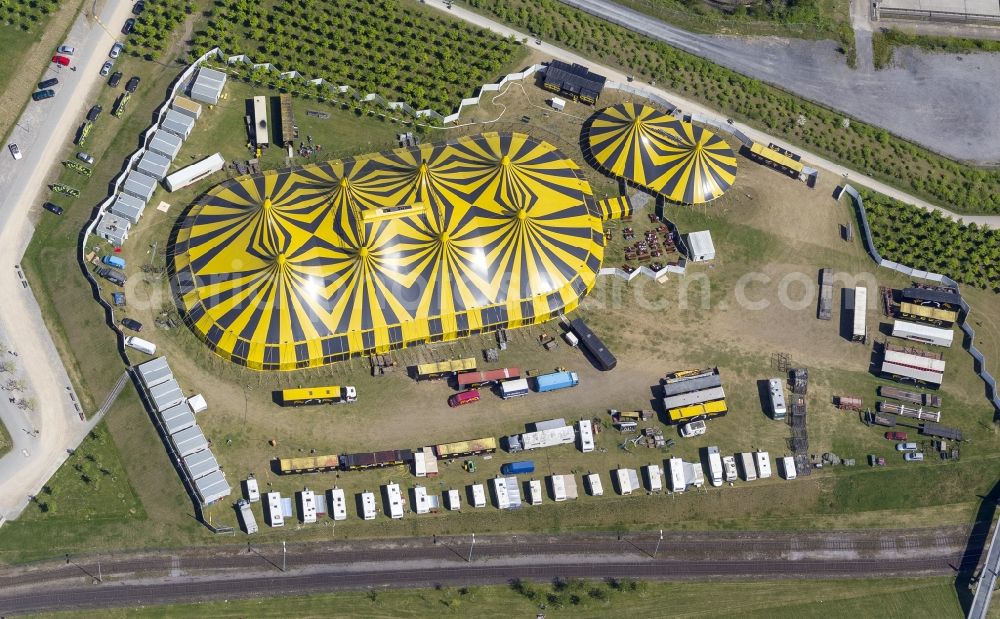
(99, 579)
(283, 552)
(472, 547)
(658, 544)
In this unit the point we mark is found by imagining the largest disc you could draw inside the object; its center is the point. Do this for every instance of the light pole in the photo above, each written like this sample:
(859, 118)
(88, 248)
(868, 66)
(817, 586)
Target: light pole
(658, 544)
(283, 552)
(472, 547)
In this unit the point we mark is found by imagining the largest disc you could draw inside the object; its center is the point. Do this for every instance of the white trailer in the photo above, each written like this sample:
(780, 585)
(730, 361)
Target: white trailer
(422, 503)
(478, 495)
(535, 489)
(275, 517)
(454, 500)
(246, 515)
(714, 465)
(923, 333)
(776, 390)
(748, 467)
(693, 474)
(419, 464)
(252, 489)
(594, 483)
(628, 481)
(676, 466)
(557, 104)
(586, 436)
(729, 465)
(763, 461)
(548, 438)
(393, 500)
(860, 308)
(654, 477)
(338, 504)
(307, 506)
(788, 467)
(368, 505)
(500, 492)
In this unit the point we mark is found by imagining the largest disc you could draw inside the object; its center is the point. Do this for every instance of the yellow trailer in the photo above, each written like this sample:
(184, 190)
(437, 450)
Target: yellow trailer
(705, 410)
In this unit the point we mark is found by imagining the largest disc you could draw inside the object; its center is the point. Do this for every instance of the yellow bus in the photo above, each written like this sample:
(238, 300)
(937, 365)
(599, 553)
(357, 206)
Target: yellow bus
(316, 395)
(706, 410)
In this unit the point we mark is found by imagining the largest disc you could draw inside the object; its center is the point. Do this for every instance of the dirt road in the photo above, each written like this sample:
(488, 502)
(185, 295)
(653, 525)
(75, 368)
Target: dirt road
(42, 133)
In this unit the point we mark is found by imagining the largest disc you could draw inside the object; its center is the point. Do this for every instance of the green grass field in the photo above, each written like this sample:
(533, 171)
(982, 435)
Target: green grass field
(913, 598)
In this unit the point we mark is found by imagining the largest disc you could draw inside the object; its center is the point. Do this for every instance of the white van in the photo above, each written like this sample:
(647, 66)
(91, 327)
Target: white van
(140, 344)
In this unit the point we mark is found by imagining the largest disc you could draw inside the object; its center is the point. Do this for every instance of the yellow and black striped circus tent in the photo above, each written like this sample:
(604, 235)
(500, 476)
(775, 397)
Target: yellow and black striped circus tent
(304, 267)
(682, 161)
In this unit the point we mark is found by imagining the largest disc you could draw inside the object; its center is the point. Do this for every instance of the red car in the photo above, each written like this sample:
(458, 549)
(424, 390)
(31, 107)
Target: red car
(62, 60)
(896, 436)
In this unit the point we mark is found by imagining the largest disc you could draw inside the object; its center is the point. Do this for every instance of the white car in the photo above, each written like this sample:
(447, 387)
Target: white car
(106, 68)
(15, 152)
(66, 50)
(906, 446)
(695, 428)
(116, 49)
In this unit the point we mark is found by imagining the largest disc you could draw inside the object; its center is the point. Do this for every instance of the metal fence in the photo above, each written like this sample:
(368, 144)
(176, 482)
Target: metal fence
(379, 99)
(963, 319)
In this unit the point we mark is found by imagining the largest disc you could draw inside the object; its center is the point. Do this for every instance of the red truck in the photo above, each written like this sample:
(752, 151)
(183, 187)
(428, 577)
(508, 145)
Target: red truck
(464, 397)
(896, 436)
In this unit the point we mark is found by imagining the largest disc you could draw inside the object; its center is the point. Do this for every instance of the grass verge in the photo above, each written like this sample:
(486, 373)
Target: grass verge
(794, 599)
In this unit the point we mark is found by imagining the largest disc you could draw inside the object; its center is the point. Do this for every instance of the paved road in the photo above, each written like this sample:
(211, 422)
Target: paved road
(691, 106)
(42, 133)
(932, 99)
(200, 574)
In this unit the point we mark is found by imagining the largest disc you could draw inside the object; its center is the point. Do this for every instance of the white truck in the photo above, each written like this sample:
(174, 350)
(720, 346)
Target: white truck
(715, 465)
(246, 515)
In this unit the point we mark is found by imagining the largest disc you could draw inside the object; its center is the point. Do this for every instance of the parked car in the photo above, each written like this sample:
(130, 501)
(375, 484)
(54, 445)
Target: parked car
(15, 152)
(41, 95)
(129, 24)
(116, 50)
(906, 446)
(61, 60)
(49, 83)
(106, 68)
(94, 113)
(917, 456)
(84, 157)
(132, 84)
(52, 208)
(138, 8)
(131, 323)
(874, 460)
(116, 77)
(66, 50)
(695, 428)
(896, 436)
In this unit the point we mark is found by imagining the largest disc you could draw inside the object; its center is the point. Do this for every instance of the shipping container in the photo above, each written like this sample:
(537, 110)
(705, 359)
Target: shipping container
(462, 449)
(922, 333)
